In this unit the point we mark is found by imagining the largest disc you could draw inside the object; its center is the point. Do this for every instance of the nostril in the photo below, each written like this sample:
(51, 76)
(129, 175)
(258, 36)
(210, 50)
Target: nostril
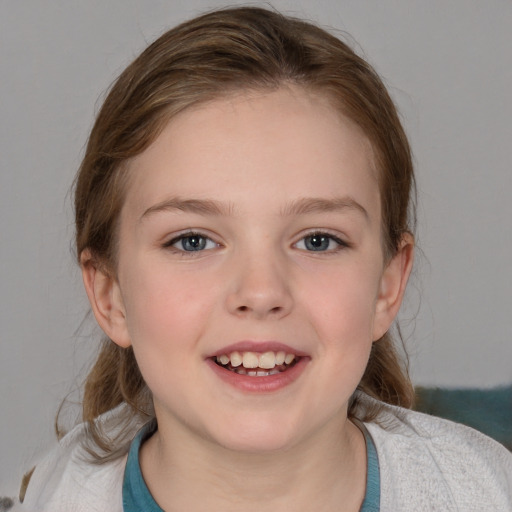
(244, 309)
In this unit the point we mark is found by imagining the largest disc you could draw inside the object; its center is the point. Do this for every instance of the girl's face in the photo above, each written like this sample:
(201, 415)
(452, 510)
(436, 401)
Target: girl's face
(251, 233)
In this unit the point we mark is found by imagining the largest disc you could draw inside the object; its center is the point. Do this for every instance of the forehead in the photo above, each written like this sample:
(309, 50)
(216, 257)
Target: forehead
(272, 146)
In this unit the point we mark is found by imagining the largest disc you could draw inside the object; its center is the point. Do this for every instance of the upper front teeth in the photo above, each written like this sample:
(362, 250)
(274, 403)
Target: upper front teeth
(266, 360)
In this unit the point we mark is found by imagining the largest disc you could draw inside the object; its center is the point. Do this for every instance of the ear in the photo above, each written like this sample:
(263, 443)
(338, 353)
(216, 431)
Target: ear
(392, 286)
(106, 301)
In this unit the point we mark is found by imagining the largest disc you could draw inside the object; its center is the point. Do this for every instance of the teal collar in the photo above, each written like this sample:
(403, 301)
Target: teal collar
(136, 495)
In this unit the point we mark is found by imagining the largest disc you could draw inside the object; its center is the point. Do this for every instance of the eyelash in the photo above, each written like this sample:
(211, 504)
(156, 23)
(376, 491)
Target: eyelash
(321, 236)
(188, 235)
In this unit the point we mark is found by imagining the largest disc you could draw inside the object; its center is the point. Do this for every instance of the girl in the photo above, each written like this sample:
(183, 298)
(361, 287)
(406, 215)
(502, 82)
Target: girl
(243, 225)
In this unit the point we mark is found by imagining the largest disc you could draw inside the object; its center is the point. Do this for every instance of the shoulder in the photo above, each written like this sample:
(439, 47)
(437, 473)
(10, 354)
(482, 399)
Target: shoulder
(436, 464)
(68, 480)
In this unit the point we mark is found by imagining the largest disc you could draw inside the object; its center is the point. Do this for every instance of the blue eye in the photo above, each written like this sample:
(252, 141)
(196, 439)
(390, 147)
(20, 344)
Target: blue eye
(320, 242)
(191, 242)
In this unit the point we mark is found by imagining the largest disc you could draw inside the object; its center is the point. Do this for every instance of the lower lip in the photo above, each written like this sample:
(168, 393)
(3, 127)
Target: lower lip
(266, 384)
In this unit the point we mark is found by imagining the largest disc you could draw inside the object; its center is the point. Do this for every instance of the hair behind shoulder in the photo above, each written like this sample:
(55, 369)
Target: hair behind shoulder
(211, 56)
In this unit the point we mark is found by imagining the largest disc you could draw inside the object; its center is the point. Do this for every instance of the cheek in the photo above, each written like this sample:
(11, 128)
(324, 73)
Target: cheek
(341, 310)
(164, 309)
(343, 299)
(165, 318)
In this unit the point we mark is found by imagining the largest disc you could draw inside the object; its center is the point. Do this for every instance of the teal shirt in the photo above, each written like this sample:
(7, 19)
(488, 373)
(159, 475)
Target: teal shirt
(137, 498)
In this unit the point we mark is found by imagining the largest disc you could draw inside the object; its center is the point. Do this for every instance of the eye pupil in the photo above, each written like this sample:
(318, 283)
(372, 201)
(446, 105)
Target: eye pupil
(317, 242)
(193, 243)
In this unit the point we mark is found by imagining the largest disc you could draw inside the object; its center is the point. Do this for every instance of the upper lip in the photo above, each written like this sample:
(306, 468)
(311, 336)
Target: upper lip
(257, 346)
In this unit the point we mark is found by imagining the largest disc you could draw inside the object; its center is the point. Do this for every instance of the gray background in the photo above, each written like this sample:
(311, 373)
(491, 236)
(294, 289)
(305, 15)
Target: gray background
(448, 66)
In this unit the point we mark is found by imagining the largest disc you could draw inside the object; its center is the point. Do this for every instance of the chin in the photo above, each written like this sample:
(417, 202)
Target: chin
(256, 436)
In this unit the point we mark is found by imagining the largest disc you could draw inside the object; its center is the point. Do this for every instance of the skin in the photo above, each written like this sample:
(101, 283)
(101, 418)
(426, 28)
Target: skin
(262, 158)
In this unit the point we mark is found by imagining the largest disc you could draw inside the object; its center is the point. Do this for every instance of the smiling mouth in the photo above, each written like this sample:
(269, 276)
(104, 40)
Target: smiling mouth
(255, 364)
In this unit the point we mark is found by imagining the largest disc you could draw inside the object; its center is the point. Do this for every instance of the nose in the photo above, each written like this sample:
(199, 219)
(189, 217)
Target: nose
(260, 287)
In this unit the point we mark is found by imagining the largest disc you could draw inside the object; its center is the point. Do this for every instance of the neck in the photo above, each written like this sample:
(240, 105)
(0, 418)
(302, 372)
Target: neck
(327, 471)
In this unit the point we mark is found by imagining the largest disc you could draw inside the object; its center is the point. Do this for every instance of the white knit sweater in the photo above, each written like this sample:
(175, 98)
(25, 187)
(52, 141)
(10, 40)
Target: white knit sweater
(426, 464)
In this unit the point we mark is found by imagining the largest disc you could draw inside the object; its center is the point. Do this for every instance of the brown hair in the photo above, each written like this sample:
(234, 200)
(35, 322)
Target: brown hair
(205, 58)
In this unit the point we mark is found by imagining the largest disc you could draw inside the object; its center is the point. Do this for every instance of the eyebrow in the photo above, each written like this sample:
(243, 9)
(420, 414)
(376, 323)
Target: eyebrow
(199, 206)
(321, 205)
(301, 206)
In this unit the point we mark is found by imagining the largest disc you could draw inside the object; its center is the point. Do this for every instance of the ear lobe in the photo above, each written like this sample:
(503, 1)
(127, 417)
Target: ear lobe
(106, 301)
(392, 286)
